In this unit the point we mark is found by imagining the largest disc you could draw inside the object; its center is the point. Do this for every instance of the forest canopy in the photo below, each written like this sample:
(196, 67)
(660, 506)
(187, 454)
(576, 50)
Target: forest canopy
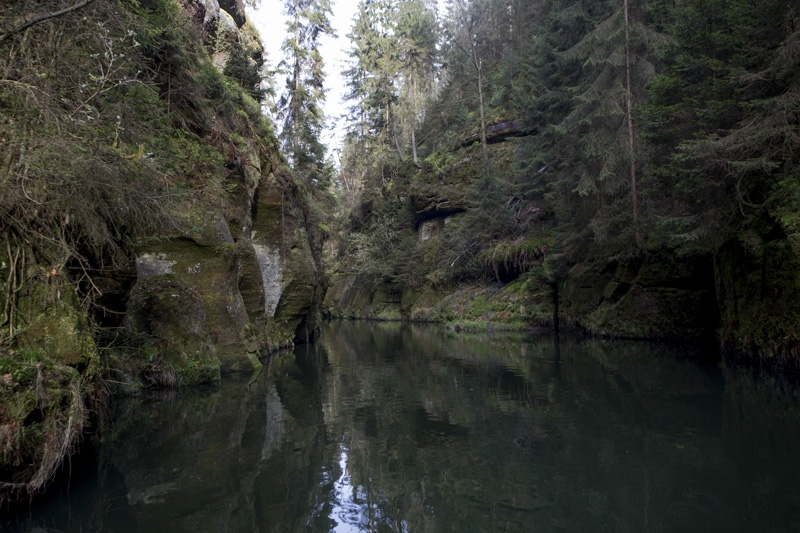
(642, 125)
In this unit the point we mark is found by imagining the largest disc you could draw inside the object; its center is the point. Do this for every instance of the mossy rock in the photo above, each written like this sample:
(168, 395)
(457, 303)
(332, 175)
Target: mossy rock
(210, 274)
(279, 226)
(42, 415)
(420, 304)
(45, 378)
(442, 189)
(657, 297)
(519, 305)
(170, 320)
(58, 327)
(585, 286)
(348, 296)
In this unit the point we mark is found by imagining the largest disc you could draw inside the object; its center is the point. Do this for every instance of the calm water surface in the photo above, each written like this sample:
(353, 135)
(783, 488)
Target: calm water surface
(388, 427)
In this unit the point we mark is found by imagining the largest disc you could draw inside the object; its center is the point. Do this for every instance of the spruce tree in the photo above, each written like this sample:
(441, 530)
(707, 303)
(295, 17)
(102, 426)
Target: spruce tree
(596, 58)
(463, 35)
(695, 100)
(300, 107)
(416, 39)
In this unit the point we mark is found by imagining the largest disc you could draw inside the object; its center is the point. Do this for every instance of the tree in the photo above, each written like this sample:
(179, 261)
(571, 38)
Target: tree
(245, 66)
(696, 99)
(463, 24)
(416, 38)
(300, 106)
(374, 65)
(373, 93)
(629, 112)
(605, 56)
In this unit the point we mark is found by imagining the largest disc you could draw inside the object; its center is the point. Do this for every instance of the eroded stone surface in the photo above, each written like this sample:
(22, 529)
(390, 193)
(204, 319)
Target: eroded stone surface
(149, 265)
(269, 262)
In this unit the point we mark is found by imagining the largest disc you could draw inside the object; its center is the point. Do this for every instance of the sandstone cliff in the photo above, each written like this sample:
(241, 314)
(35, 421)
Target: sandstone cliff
(152, 234)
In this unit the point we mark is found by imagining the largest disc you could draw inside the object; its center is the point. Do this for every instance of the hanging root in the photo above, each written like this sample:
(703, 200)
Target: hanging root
(62, 430)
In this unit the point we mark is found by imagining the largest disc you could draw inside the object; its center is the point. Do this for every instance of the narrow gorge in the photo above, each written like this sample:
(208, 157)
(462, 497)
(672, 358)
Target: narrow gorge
(170, 214)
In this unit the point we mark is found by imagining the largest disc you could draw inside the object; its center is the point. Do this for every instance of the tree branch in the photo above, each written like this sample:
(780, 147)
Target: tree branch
(42, 18)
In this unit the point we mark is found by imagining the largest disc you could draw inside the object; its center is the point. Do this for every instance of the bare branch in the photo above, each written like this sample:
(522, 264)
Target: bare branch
(42, 18)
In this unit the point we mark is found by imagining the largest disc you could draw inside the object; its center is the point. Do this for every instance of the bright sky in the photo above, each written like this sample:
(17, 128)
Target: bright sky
(271, 23)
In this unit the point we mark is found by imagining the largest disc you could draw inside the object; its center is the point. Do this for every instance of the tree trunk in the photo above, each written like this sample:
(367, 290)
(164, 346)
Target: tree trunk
(472, 56)
(390, 124)
(296, 82)
(629, 101)
(411, 96)
(478, 67)
(414, 147)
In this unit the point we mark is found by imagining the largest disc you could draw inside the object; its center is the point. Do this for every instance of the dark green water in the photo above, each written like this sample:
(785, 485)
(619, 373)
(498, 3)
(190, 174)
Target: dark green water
(383, 427)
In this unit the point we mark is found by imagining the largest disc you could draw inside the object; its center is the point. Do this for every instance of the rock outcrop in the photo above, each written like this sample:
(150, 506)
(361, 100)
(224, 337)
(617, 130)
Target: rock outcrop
(153, 235)
(235, 273)
(228, 281)
(656, 297)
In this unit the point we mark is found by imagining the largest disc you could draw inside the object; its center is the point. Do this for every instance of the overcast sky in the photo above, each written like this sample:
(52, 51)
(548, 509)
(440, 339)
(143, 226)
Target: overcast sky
(271, 23)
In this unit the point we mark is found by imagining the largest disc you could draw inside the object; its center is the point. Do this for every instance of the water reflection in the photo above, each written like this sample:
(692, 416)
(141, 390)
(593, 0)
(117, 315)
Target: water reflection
(390, 428)
(347, 507)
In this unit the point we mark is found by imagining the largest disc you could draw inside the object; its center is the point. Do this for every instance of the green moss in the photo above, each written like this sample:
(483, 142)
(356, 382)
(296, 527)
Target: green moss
(513, 307)
(278, 332)
(519, 255)
(167, 321)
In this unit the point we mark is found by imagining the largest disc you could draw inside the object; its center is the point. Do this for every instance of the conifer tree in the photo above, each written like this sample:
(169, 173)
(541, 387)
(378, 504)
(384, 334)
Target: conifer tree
(605, 61)
(463, 26)
(374, 65)
(300, 107)
(720, 120)
(246, 68)
(416, 39)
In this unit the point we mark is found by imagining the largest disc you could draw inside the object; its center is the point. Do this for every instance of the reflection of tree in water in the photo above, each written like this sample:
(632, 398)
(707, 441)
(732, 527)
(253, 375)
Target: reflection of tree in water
(401, 428)
(410, 427)
(482, 434)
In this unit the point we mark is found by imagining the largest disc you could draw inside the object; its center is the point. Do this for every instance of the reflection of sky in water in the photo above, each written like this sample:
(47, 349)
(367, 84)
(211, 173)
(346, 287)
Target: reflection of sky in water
(349, 506)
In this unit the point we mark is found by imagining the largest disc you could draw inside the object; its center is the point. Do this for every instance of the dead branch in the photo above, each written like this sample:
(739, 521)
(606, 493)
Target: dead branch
(42, 18)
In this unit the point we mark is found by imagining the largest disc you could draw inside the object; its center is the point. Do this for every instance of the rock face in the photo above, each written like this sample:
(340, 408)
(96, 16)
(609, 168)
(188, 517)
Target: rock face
(235, 8)
(197, 257)
(235, 270)
(205, 297)
(206, 13)
(653, 298)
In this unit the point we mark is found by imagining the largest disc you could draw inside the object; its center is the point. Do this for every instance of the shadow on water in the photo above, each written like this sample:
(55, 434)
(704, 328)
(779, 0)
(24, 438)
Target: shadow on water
(390, 427)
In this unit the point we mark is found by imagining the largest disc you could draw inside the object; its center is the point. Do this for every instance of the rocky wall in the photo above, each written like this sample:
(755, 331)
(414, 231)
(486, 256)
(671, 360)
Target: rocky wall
(205, 297)
(653, 297)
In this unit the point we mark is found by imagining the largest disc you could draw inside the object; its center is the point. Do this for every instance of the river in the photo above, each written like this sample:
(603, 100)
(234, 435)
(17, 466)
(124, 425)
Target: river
(390, 427)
